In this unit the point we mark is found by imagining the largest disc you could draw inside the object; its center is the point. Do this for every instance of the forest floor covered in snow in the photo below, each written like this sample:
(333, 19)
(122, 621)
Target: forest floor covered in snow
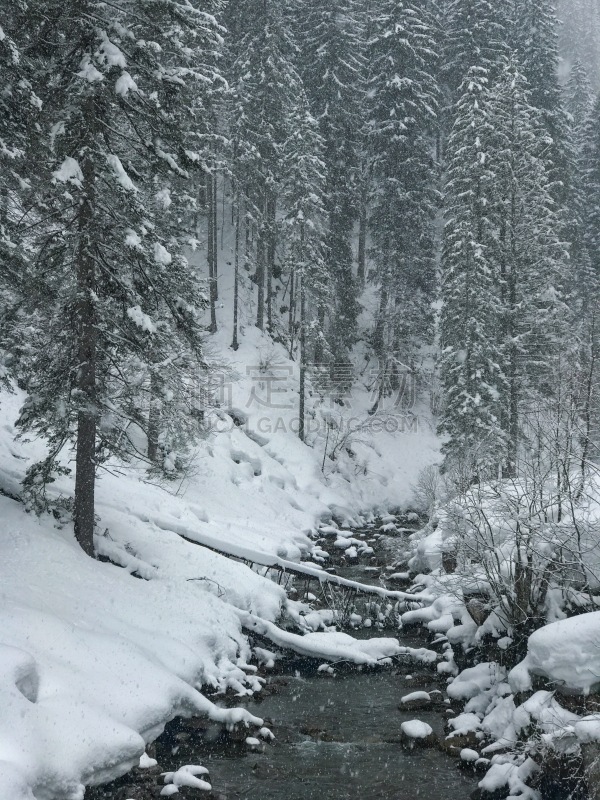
(95, 658)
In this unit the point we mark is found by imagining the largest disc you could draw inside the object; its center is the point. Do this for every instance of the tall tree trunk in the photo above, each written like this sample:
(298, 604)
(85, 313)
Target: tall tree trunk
(587, 406)
(215, 207)
(379, 333)
(247, 242)
(362, 235)
(153, 420)
(260, 271)
(211, 213)
(363, 219)
(85, 376)
(513, 369)
(260, 279)
(292, 312)
(271, 246)
(222, 217)
(4, 206)
(319, 351)
(506, 468)
(236, 274)
(302, 387)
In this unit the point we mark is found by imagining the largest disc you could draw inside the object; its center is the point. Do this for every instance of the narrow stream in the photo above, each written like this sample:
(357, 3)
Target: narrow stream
(336, 738)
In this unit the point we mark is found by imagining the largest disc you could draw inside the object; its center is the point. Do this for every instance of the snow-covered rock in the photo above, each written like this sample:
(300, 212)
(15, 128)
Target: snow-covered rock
(416, 732)
(566, 653)
(415, 729)
(415, 700)
(475, 680)
(587, 729)
(191, 775)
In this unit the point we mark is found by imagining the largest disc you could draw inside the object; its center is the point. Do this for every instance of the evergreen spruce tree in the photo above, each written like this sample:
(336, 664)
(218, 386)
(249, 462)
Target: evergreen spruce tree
(535, 40)
(579, 35)
(504, 274)
(578, 97)
(265, 85)
(585, 273)
(331, 68)
(116, 343)
(476, 34)
(471, 315)
(591, 181)
(305, 217)
(403, 104)
(531, 258)
(19, 106)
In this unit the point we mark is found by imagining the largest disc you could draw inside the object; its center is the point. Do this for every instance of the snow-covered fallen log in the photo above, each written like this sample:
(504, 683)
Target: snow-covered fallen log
(302, 569)
(335, 646)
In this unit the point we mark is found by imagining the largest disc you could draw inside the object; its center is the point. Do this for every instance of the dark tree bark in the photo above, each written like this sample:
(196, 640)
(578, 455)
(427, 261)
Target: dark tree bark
(319, 353)
(270, 259)
(586, 438)
(214, 208)
(379, 333)
(513, 370)
(236, 276)
(153, 420)
(362, 238)
(211, 210)
(260, 278)
(292, 312)
(85, 375)
(302, 388)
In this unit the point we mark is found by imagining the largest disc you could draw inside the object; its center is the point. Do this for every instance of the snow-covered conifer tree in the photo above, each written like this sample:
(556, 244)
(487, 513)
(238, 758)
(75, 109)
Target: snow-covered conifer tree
(331, 67)
(265, 85)
(115, 345)
(476, 34)
(472, 376)
(535, 40)
(532, 262)
(19, 107)
(403, 101)
(304, 222)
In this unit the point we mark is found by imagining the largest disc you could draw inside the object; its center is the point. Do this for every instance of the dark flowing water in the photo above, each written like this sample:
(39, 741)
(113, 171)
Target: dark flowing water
(336, 738)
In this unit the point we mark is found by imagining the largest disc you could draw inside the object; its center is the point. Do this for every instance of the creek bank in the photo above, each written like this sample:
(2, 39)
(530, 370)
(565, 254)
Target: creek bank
(534, 758)
(338, 731)
(336, 737)
(534, 730)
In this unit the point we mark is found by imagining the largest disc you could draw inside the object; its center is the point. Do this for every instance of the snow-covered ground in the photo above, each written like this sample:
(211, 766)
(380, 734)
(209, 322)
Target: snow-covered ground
(93, 662)
(96, 657)
(566, 653)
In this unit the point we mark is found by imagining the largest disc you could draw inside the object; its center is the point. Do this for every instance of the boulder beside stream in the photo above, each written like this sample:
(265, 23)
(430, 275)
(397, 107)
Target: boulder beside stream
(415, 733)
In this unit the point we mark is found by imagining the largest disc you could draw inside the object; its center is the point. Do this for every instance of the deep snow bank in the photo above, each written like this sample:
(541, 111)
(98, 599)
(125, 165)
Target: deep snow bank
(566, 652)
(93, 662)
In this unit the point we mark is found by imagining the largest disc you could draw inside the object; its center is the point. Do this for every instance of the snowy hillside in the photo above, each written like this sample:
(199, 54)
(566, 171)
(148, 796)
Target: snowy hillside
(94, 661)
(275, 277)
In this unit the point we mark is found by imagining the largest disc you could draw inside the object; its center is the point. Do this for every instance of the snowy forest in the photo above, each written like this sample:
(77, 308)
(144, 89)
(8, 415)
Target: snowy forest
(299, 369)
